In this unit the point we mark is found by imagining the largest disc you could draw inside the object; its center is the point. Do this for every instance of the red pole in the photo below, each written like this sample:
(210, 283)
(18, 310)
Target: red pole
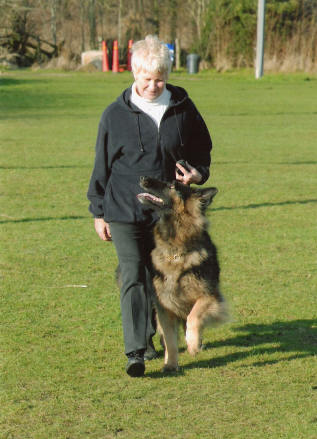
(105, 62)
(115, 57)
(129, 55)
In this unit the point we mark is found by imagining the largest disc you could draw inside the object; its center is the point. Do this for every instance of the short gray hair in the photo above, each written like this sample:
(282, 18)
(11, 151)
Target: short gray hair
(151, 55)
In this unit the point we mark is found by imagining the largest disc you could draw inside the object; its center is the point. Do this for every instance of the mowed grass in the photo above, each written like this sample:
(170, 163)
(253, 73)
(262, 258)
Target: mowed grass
(62, 356)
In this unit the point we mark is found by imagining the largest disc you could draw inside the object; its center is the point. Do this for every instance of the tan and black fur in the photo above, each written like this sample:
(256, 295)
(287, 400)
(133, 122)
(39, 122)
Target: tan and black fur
(185, 262)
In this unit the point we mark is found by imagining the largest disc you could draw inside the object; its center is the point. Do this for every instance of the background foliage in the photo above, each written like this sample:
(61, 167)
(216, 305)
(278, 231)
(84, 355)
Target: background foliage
(221, 31)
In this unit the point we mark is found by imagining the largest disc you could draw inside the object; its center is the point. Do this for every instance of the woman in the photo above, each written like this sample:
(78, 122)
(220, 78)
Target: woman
(146, 131)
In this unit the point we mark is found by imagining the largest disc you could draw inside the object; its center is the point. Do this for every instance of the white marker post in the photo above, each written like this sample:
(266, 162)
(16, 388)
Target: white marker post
(260, 40)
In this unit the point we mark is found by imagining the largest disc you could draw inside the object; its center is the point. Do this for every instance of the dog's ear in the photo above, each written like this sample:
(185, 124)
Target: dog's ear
(206, 195)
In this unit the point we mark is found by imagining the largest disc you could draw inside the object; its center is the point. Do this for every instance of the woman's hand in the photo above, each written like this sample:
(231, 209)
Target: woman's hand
(103, 229)
(190, 175)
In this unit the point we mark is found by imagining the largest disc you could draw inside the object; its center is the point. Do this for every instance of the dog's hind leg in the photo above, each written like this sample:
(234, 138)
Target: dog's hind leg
(207, 311)
(168, 325)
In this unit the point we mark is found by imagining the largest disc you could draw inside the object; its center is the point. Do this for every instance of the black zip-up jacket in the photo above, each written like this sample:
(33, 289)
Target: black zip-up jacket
(129, 145)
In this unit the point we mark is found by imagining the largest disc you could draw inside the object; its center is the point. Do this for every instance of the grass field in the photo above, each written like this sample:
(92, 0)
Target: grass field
(61, 348)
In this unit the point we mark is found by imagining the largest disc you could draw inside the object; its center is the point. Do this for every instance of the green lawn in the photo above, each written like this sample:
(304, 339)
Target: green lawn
(62, 362)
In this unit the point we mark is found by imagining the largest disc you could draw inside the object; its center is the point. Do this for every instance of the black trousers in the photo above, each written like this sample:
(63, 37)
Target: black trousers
(134, 244)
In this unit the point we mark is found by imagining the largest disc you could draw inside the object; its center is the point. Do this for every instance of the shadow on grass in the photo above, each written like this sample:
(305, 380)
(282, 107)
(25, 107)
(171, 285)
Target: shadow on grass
(238, 162)
(46, 167)
(310, 162)
(248, 206)
(287, 340)
(48, 218)
(5, 81)
(256, 206)
(32, 94)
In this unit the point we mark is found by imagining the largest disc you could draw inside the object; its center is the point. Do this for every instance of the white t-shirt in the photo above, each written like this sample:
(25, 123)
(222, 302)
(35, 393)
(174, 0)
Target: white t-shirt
(154, 108)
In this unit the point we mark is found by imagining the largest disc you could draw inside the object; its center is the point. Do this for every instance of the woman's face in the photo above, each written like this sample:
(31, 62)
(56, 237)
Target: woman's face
(149, 85)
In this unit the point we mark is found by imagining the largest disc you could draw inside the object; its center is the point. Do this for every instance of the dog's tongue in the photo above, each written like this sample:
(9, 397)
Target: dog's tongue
(149, 197)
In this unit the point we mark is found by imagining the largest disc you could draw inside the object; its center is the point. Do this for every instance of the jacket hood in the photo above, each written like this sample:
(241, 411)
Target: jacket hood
(178, 97)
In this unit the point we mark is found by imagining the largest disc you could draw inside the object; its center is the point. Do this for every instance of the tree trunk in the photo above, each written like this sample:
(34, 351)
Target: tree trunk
(92, 23)
(53, 22)
(82, 24)
(177, 54)
(119, 22)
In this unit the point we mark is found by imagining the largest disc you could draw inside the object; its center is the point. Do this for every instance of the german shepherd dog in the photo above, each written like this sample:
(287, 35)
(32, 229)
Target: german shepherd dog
(186, 268)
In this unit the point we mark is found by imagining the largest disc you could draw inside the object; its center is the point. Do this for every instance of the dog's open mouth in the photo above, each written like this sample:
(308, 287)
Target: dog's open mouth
(149, 198)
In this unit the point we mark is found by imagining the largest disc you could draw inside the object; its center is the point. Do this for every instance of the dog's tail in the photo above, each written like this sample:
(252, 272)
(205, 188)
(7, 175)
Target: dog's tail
(216, 312)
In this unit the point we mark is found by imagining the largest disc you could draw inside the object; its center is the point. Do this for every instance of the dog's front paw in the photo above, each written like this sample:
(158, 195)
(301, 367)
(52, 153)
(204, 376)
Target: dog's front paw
(193, 350)
(169, 368)
(193, 342)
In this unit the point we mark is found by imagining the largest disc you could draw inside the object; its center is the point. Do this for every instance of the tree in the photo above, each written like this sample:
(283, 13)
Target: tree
(92, 23)
(53, 7)
(222, 32)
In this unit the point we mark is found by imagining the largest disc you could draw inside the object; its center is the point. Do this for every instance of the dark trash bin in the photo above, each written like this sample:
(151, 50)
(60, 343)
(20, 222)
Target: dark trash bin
(193, 63)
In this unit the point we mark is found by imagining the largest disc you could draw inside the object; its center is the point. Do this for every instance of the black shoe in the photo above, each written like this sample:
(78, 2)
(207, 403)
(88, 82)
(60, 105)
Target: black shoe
(135, 366)
(150, 352)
